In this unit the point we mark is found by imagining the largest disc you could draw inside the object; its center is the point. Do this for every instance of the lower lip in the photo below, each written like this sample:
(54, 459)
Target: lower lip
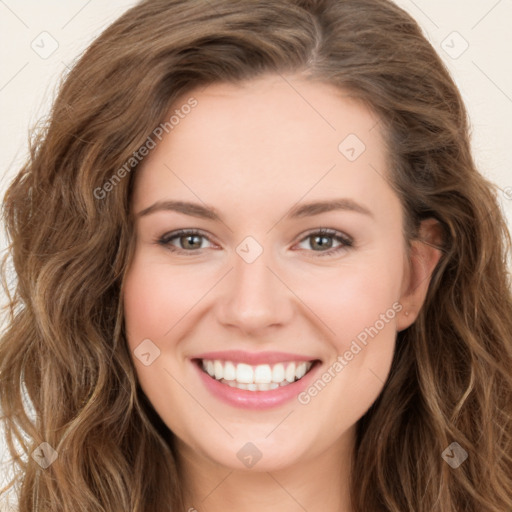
(256, 399)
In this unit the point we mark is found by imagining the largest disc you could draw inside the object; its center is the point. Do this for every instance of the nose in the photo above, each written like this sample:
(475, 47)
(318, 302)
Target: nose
(254, 296)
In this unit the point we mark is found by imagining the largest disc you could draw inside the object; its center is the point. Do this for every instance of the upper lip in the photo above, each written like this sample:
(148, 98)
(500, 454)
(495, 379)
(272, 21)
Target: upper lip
(253, 358)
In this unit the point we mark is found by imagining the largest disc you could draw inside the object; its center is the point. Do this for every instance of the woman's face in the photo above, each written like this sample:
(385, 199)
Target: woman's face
(255, 293)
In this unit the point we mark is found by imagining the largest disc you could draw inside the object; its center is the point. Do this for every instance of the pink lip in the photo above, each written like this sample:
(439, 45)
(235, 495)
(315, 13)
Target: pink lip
(256, 399)
(253, 358)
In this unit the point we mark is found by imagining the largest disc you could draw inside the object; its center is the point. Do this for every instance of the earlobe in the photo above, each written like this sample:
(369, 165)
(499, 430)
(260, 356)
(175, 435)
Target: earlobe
(424, 256)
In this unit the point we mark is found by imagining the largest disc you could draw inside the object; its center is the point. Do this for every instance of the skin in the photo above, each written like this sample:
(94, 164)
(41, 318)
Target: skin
(253, 152)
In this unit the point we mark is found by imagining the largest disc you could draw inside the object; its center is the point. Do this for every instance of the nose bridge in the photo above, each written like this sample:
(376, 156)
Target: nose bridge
(255, 298)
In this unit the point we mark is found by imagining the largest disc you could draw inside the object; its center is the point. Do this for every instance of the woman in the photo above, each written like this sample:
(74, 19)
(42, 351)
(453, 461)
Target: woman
(184, 338)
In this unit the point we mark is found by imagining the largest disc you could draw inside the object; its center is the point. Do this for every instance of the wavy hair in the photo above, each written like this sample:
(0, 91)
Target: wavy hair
(64, 346)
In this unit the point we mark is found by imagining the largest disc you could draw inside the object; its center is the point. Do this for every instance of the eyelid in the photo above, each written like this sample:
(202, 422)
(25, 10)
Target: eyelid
(327, 231)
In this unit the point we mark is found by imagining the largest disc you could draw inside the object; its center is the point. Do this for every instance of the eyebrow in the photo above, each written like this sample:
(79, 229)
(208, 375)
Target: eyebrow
(299, 211)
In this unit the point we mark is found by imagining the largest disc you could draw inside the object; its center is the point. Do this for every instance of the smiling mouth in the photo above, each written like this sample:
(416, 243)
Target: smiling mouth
(262, 377)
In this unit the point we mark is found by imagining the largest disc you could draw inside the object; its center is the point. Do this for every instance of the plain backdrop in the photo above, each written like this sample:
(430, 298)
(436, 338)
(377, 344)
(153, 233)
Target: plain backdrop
(40, 40)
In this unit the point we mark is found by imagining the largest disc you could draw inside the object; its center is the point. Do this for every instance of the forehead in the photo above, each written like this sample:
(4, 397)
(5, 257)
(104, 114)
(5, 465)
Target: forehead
(270, 139)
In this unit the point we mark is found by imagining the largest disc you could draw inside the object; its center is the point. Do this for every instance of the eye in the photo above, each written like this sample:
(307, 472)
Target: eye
(189, 240)
(323, 239)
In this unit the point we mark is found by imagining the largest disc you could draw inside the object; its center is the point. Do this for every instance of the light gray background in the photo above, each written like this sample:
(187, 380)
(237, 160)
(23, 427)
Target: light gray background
(30, 30)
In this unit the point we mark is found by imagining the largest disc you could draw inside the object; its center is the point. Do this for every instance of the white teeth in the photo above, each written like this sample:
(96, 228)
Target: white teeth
(278, 373)
(262, 377)
(263, 374)
(217, 366)
(244, 373)
(229, 371)
(290, 373)
(300, 371)
(252, 386)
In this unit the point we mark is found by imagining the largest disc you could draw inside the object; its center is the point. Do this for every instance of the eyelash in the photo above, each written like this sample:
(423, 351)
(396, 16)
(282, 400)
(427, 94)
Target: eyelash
(346, 242)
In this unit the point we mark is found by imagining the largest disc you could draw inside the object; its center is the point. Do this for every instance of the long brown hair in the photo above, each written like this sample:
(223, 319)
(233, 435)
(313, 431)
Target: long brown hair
(70, 244)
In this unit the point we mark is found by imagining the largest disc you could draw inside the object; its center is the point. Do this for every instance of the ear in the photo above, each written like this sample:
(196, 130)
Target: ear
(423, 258)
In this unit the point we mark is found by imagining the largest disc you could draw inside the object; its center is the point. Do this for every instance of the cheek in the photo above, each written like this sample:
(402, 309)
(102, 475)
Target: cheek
(353, 297)
(358, 302)
(359, 309)
(157, 296)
